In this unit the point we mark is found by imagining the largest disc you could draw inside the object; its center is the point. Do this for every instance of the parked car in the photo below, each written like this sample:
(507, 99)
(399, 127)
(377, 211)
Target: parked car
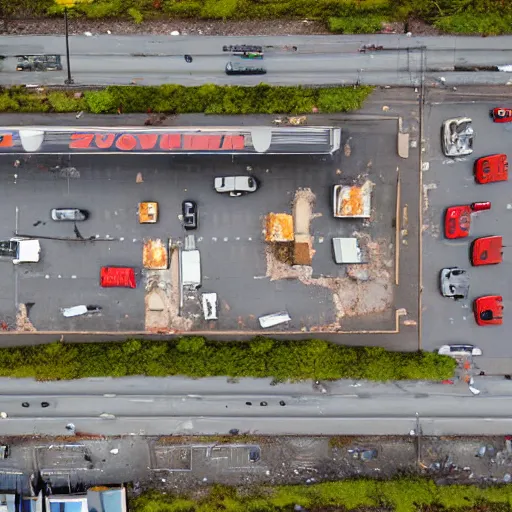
(69, 214)
(235, 185)
(488, 310)
(189, 211)
(38, 63)
(242, 48)
(457, 219)
(501, 115)
(459, 350)
(235, 68)
(457, 137)
(454, 283)
(489, 169)
(487, 250)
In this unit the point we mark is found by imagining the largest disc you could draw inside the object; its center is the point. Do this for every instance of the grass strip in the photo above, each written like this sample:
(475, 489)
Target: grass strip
(195, 356)
(403, 494)
(178, 99)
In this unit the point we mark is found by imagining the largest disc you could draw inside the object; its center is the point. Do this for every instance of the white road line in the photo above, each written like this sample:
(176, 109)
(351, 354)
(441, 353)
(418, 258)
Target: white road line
(16, 220)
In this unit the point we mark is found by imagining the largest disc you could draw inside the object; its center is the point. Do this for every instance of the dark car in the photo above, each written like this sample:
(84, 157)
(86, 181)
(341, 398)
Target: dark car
(38, 63)
(189, 210)
(69, 214)
(454, 282)
(242, 48)
(234, 68)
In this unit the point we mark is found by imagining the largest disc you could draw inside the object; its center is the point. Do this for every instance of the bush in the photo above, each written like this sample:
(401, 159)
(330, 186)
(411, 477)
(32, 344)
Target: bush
(135, 15)
(101, 102)
(64, 102)
(469, 23)
(356, 24)
(197, 357)
(400, 494)
(219, 9)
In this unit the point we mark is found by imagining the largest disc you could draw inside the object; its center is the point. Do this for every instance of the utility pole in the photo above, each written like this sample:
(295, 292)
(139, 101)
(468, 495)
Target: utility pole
(69, 80)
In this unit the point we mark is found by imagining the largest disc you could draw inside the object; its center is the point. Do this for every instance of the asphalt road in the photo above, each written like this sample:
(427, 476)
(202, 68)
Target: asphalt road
(451, 183)
(152, 60)
(210, 406)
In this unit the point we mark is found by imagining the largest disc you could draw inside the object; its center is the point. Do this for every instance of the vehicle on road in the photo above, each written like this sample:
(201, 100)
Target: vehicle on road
(80, 310)
(234, 68)
(190, 269)
(489, 169)
(242, 48)
(189, 212)
(274, 319)
(457, 137)
(487, 250)
(69, 214)
(457, 219)
(235, 185)
(454, 283)
(188, 58)
(488, 310)
(117, 277)
(38, 63)
(20, 250)
(501, 115)
(459, 350)
(251, 55)
(155, 254)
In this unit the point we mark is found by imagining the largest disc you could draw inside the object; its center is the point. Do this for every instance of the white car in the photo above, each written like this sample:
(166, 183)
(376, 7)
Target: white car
(459, 350)
(457, 136)
(235, 185)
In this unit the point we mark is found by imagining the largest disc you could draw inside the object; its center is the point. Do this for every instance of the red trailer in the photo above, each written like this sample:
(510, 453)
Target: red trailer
(488, 310)
(487, 250)
(123, 277)
(489, 169)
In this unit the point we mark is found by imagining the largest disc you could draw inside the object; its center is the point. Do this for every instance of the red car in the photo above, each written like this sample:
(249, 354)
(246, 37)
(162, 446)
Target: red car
(491, 168)
(457, 219)
(501, 115)
(123, 277)
(487, 250)
(488, 310)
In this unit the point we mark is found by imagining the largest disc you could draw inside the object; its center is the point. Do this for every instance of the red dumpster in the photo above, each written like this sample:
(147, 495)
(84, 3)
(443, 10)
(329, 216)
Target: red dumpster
(123, 277)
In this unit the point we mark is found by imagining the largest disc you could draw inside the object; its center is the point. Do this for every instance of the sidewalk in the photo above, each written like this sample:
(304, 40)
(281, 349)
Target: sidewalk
(494, 365)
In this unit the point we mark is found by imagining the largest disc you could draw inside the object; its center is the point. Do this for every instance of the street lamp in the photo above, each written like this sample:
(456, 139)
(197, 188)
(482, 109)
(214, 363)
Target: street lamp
(69, 80)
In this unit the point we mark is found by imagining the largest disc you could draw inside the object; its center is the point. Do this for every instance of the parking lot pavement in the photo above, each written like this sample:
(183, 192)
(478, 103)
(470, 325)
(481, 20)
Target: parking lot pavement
(451, 183)
(229, 235)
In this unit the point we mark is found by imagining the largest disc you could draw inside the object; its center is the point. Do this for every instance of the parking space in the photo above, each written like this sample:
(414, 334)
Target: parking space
(234, 256)
(450, 182)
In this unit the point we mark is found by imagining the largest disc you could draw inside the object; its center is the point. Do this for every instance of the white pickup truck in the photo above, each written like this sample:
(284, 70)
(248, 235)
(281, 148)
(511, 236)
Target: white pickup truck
(20, 250)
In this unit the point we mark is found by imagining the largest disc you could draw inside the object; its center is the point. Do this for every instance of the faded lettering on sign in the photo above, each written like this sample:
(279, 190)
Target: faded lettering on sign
(135, 142)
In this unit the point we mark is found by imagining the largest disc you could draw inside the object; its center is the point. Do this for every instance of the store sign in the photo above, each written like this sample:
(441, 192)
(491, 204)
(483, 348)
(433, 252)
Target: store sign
(137, 142)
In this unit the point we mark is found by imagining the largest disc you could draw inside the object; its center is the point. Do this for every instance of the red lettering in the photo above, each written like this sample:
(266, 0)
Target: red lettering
(201, 142)
(233, 142)
(6, 140)
(126, 142)
(80, 140)
(104, 141)
(170, 141)
(147, 141)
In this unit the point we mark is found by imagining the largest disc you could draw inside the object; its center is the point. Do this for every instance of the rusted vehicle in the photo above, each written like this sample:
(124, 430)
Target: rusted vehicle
(155, 254)
(38, 63)
(148, 212)
(488, 310)
(489, 169)
(117, 277)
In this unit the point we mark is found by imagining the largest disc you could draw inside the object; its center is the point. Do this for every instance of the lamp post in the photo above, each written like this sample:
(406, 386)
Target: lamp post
(69, 80)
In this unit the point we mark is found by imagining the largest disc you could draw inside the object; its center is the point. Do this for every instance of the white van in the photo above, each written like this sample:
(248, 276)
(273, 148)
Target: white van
(235, 185)
(273, 319)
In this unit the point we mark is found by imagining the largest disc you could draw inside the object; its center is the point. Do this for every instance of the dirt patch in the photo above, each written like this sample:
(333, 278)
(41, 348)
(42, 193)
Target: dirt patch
(165, 27)
(23, 323)
(303, 204)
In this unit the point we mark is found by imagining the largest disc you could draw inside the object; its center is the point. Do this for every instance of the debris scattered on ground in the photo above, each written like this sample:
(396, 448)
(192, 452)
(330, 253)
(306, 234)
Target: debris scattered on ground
(139, 178)
(114, 451)
(347, 150)
(23, 323)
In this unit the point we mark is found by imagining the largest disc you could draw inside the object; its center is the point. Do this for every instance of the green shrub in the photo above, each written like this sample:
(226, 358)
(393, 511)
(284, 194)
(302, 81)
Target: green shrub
(135, 15)
(469, 23)
(357, 24)
(101, 102)
(188, 9)
(8, 104)
(102, 9)
(219, 9)
(197, 357)
(65, 102)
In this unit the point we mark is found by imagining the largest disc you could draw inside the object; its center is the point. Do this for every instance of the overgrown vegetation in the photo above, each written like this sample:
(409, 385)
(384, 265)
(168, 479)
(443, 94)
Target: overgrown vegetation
(345, 16)
(400, 495)
(197, 357)
(177, 99)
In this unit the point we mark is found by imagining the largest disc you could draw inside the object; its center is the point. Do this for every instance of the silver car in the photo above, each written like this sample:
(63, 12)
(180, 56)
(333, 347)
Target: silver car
(69, 214)
(459, 350)
(454, 283)
(457, 136)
